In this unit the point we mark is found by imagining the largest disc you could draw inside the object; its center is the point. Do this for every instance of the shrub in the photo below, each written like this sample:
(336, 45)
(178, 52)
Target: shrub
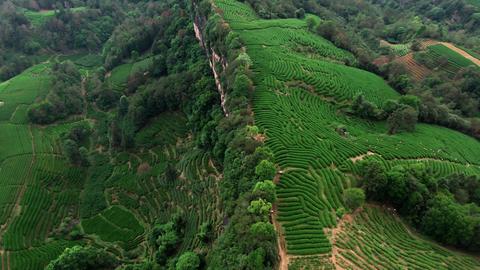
(354, 198)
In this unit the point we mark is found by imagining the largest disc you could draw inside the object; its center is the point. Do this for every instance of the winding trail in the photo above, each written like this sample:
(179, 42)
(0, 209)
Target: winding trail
(282, 246)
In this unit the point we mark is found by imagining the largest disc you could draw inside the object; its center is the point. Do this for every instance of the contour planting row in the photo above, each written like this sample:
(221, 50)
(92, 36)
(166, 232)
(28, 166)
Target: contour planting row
(304, 210)
(455, 60)
(377, 238)
(115, 225)
(299, 103)
(38, 257)
(233, 10)
(46, 181)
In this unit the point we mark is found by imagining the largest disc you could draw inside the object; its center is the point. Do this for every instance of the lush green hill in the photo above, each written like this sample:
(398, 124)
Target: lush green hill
(44, 197)
(301, 86)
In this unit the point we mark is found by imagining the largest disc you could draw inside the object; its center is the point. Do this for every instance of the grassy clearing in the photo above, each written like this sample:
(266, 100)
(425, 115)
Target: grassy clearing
(297, 102)
(119, 75)
(115, 225)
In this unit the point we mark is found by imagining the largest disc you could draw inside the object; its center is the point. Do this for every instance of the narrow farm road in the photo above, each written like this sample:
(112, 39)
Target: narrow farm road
(282, 246)
(462, 52)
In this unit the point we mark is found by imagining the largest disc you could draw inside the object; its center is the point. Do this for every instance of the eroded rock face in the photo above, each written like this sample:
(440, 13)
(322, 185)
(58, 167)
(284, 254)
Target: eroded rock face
(214, 59)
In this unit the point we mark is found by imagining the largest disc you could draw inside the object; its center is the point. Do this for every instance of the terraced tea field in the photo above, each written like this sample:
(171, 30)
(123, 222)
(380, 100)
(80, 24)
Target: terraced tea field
(455, 60)
(38, 188)
(43, 198)
(376, 239)
(297, 102)
(396, 49)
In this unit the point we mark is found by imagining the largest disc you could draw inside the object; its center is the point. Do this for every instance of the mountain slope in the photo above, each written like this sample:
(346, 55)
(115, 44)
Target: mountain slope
(301, 88)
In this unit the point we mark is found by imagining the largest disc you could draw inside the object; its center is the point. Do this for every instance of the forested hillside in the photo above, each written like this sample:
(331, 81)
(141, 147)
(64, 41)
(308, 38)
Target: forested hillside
(225, 134)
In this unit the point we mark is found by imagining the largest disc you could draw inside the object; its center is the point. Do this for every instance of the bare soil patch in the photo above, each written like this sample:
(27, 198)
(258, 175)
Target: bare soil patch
(362, 157)
(282, 246)
(418, 72)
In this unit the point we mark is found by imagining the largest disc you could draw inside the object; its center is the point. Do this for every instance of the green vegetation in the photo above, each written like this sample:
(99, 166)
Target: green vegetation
(398, 49)
(115, 225)
(59, 180)
(386, 242)
(442, 206)
(38, 18)
(299, 102)
(24, 89)
(353, 198)
(79, 257)
(127, 145)
(447, 59)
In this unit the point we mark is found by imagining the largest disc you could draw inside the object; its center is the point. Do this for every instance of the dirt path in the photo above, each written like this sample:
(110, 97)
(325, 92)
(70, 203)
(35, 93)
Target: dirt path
(1, 258)
(462, 52)
(347, 218)
(282, 246)
(451, 46)
(361, 157)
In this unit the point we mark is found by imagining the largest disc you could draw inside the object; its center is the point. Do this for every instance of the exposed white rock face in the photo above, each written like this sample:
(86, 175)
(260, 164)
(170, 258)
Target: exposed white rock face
(214, 59)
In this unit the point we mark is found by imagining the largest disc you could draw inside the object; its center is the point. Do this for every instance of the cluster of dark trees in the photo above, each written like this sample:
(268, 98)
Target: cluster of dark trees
(166, 237)
(445, 99)
(445, 208)
(14, 31)
(21, 42)
(247, 192)
(74, 144)
(65, 96)
(87, 29)
(181, 79)
(401, 114)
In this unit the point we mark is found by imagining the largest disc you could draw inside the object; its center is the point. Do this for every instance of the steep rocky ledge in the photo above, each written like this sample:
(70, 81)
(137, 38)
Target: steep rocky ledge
(215, 60)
